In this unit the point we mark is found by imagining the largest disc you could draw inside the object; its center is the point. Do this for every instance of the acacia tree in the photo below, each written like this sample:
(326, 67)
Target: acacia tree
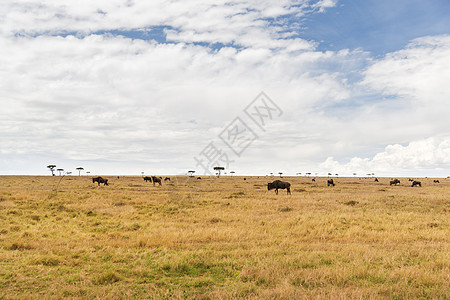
(232, 172)
(309, 173)
(79, 170)
(281, 173)
(219, 169)
(191, 173)
(60, 170)
(52, 169)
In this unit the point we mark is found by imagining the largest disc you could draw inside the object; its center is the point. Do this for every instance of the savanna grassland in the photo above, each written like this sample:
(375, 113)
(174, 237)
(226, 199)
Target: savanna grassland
(223, 238)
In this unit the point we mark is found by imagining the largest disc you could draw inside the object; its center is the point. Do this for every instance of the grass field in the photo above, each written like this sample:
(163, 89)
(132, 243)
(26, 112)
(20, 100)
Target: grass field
(223, 238)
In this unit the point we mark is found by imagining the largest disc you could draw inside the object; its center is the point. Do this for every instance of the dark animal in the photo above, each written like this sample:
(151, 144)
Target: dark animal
(416, 183)
(199, 178)
(278, 184)
(156, 180)
(436, 181)
(245, 178)
(167, 179)
(313, 180)
(330, 182)
(147, 178)
(376, 179)
(394, 182)
(410, 179)
(100, 180)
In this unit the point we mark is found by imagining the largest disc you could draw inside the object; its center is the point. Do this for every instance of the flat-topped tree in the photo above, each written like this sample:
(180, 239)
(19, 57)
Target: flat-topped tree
(232, 172)
(52, 169)
(79, 170)
(191, 173)
(281, 173)
(60, 170)
(218, 169)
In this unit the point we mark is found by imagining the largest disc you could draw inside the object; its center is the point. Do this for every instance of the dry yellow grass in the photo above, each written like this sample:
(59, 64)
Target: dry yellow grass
(223, 238)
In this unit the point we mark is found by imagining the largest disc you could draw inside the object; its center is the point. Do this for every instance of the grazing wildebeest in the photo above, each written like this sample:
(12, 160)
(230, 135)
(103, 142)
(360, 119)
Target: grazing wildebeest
(167, 179)
(416, 183)
(156, 180)
(410, 179)
(330, 182)
(245, 178)
(376, 179)
(147, 178)
(278, 184)
(436, 181)
(199, 178)
(394, 182)
(313, 180)
(100, 180)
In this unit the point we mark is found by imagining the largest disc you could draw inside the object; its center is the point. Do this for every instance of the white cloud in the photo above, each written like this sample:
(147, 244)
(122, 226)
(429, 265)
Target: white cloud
(249, 23)
(420, 72)
(427, 155)
(102, 98)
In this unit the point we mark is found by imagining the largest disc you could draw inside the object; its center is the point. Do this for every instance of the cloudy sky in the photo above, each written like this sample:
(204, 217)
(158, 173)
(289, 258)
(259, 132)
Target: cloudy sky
(131, 86)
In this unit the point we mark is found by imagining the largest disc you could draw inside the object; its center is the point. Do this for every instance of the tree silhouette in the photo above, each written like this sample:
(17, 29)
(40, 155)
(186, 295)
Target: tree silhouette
(308, 174)
(271, 174)
(354, 174)
(60, 170)
(191, 173)
(299, 173)
(281, 173)
(52, 169)
(79, 170)
(232, 172)
(218, 169)
(329, 174)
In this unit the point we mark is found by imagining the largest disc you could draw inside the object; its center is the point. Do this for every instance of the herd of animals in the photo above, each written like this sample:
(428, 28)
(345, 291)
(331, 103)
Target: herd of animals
(275, 185)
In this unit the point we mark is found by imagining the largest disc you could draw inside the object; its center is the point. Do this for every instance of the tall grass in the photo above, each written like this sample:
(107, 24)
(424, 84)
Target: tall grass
(223, 238)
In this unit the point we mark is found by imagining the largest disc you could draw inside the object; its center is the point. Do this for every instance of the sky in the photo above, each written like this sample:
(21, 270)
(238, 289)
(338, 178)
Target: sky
(258, 87)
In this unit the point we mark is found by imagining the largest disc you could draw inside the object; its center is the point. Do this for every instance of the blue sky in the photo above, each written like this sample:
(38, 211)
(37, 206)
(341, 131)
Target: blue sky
(122, 87)
(377, 26)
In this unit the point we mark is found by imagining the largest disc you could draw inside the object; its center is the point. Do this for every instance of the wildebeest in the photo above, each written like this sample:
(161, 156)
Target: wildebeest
(436, 181)
(394, 182)
(199, 178)
(330, 182)
(156, 180)
(245, 178)
(376, 179)
(313, 180)
(278, 184)
(410, 179)
(416, 183)
(153, 179)
(167, 179)
(100, 180)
